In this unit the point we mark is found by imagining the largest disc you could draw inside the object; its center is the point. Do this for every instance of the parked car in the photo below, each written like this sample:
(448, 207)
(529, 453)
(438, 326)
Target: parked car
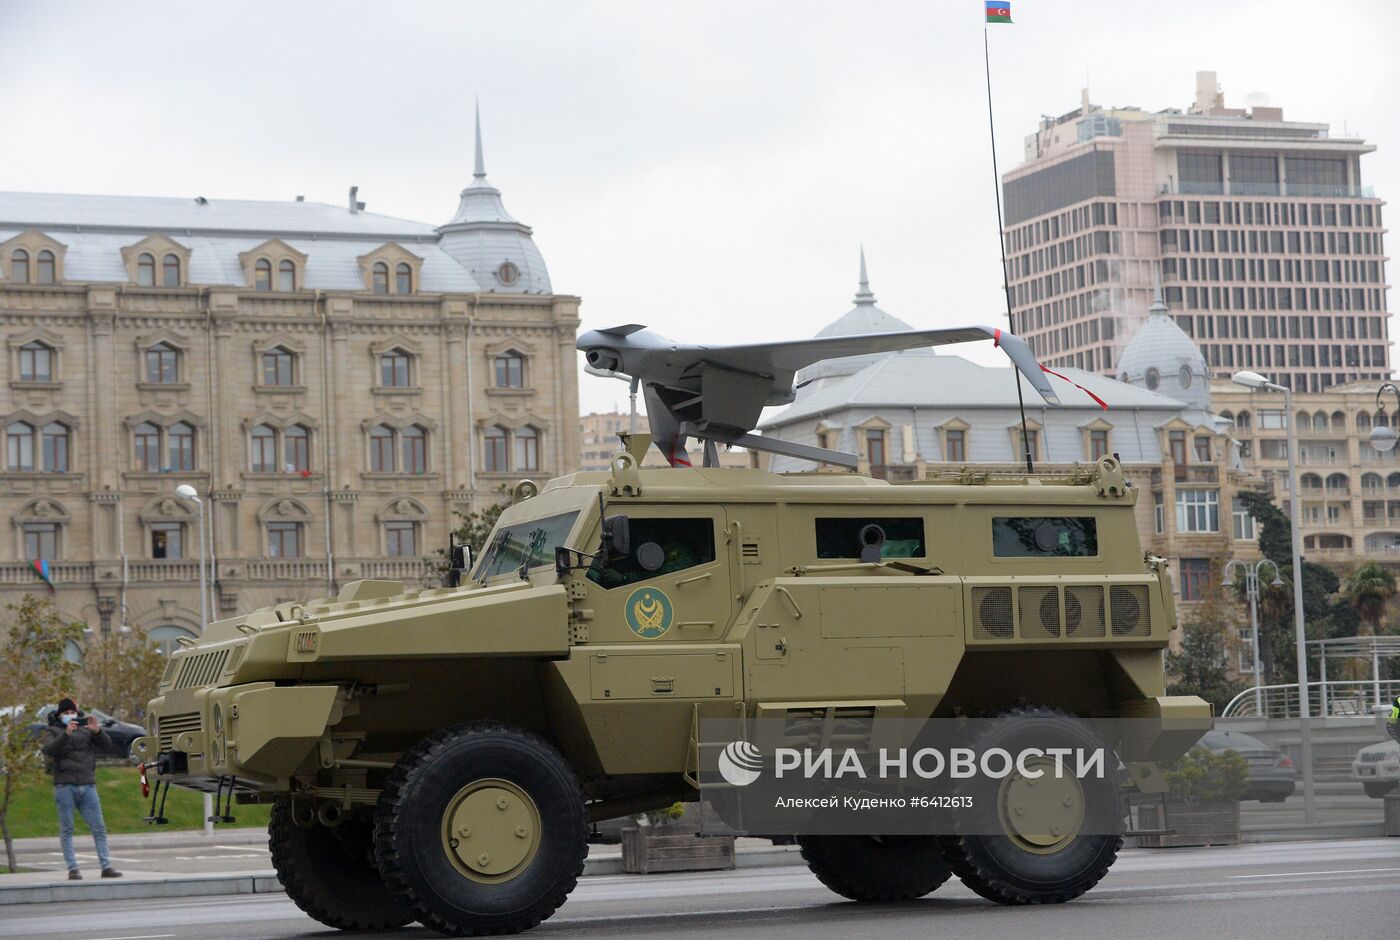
(119, 733)
(1272, 777)
(1377, 767)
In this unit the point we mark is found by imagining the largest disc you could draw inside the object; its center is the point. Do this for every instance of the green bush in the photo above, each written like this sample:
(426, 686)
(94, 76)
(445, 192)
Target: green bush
(1206, 776)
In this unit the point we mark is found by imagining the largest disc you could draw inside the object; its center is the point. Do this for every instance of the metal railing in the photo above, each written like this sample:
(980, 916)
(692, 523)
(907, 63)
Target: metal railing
(1333, 697)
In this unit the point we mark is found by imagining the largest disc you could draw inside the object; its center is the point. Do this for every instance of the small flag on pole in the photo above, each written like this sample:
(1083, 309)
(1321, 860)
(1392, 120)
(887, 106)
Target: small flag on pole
(41, 568)
(998, 11)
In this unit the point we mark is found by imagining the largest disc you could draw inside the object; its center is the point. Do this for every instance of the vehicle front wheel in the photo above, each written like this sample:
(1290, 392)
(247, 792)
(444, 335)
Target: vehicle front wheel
(330, 873)
(1042, 853)
(481, 829)
(876, 868)
(1377, 790)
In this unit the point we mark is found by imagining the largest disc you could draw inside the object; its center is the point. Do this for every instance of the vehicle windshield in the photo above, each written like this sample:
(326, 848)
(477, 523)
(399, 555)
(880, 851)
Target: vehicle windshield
(530, 543)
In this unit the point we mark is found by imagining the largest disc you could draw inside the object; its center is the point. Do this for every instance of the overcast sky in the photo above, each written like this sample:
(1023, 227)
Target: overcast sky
(708, 169)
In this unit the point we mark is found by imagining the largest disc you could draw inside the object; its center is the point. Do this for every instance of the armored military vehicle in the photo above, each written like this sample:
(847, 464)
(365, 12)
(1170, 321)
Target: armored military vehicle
(437, 755)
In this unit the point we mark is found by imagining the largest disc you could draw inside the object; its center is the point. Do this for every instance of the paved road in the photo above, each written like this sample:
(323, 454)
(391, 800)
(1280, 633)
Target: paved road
(1316, 889)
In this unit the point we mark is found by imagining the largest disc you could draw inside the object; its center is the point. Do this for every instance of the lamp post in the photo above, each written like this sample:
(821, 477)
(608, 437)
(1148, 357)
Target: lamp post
(1251, 591)
(187, 492)
(1254, 380)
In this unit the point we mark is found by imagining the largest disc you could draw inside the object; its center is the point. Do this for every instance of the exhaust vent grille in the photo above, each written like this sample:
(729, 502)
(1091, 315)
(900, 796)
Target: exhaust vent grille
(1128, 610)
(994, 613)
(1040, 612)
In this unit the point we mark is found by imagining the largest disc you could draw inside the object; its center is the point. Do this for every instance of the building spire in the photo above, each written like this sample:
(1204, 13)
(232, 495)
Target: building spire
(863, 296)
(480, 171)
(1159, 306)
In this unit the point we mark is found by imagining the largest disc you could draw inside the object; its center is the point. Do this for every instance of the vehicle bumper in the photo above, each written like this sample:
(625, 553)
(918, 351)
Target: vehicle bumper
(1376, 772)
(257, 733)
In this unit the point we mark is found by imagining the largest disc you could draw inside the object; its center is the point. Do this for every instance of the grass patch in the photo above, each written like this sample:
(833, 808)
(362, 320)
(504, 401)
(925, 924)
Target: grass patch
(32, 811)
(6, 870)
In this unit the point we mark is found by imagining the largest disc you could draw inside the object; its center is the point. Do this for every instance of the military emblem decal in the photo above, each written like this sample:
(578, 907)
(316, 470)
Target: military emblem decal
(648, 612)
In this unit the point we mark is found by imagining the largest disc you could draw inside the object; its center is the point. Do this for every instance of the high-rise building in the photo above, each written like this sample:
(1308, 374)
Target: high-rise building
(1268, 246)
(334, 383)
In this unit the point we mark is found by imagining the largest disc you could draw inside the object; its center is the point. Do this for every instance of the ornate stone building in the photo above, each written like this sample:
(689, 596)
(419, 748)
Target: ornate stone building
(332, 382)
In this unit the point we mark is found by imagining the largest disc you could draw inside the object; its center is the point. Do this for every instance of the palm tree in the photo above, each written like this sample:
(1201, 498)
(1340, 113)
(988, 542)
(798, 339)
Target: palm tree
(1367, 590)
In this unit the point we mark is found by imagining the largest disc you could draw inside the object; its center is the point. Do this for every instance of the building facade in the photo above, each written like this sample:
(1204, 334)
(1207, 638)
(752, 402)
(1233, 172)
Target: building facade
(598, 443)
(332, 382)
(1269, 246)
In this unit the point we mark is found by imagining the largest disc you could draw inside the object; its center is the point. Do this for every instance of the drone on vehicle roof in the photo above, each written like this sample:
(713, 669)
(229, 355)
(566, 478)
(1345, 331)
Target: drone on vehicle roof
(717, 393)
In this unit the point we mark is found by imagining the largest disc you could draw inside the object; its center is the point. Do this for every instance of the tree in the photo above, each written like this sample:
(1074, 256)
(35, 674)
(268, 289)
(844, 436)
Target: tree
(34, 671)
(1206, 647)
(120, 672)
(1367, 590)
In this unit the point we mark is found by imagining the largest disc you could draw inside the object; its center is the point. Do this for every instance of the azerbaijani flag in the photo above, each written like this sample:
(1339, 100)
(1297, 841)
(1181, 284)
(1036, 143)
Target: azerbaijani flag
(998, 11)
(41, 568)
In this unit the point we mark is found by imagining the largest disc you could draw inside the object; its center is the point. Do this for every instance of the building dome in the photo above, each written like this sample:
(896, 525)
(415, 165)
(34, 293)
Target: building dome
(1162, 358)
(864, 317)
(489, 242)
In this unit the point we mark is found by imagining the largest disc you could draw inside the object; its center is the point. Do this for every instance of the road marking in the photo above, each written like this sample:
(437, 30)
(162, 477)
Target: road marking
(1299, 874)
(144, 936)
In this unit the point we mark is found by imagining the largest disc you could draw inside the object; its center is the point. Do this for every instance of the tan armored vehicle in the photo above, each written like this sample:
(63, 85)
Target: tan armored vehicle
(437, 755)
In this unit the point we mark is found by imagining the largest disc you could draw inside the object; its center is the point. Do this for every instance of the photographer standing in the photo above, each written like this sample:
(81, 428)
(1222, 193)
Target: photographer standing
(71, 743)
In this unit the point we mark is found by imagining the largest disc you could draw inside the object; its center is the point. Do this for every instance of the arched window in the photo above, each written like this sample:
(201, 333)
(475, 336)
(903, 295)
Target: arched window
(36, 362)
(296, 449)
(510, 370)
(47, 270)
(1392, 482)
(1371, 481)
(263, 449)
(166, 638)
(146, 443)
(393, 369)
(379, 278)
(19, 266)
(146, 270)
(181, 441)
(162, 364)
(401, 538)
(1339, 421)
(19, 448)
(286, 276)
(55, 448)
(527, 449)
(278, 366)
(262, 275)
(1319, 422)
(1382, 419)
(1338, 483)
(1310, 481)
(1242, 420)
(1363, 421)
(284, 540)
(494, 454)
(1303, 421)
(415, 450)
(381, 449)
(170, 271)
(403, 279)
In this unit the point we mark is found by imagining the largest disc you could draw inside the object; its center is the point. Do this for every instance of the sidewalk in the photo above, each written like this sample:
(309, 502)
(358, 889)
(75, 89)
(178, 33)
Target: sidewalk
(236, 861)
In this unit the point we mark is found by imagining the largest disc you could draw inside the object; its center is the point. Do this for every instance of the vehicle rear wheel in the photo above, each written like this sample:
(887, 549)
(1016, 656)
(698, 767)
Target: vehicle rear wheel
(1377, 790)
(481, 829)
(876, 868)
(1042, 855)
(330, 873)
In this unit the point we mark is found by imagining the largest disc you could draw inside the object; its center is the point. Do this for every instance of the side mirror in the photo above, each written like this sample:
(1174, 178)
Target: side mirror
(461, 564)
(617, 537)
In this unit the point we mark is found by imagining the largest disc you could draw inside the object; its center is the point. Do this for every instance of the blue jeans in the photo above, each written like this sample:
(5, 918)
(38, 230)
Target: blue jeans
(83, 798)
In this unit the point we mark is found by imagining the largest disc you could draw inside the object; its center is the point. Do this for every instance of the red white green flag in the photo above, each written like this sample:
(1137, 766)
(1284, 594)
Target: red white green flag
(998, 11)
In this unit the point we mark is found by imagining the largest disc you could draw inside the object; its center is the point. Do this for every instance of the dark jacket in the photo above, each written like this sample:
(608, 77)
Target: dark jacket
(72, 758)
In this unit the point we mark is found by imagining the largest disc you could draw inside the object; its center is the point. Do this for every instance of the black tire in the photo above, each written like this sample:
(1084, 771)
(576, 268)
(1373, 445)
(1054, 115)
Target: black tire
(330, 873)
(876, 868)
(999, 869)
(1377, 790)
(409, 821)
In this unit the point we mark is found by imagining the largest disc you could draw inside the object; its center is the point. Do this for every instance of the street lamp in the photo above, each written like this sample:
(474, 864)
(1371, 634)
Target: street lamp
(1253, 380)
(185, 491)
(1383, 436)
(1251, 591)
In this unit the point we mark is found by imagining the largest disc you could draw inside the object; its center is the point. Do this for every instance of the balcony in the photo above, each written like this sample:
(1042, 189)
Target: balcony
(1232, 188)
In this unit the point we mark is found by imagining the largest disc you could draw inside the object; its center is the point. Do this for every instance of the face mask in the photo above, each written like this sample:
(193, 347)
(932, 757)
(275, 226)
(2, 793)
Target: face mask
(68, 716)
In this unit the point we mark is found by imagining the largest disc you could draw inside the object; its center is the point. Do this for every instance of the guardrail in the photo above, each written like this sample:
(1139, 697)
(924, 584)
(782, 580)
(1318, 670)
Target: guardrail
(1332, 697)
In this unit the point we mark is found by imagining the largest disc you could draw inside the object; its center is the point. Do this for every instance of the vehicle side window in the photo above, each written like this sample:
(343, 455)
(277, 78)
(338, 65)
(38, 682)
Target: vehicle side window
(840, 537)
(1045, 536)
(685, 543)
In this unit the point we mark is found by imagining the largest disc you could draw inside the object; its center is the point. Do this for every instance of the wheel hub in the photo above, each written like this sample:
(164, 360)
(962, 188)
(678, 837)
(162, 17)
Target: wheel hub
(491, 830)
(1041, 814)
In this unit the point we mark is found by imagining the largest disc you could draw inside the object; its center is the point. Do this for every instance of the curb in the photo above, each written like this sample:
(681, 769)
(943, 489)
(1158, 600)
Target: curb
(267, 883)
(180, 839)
